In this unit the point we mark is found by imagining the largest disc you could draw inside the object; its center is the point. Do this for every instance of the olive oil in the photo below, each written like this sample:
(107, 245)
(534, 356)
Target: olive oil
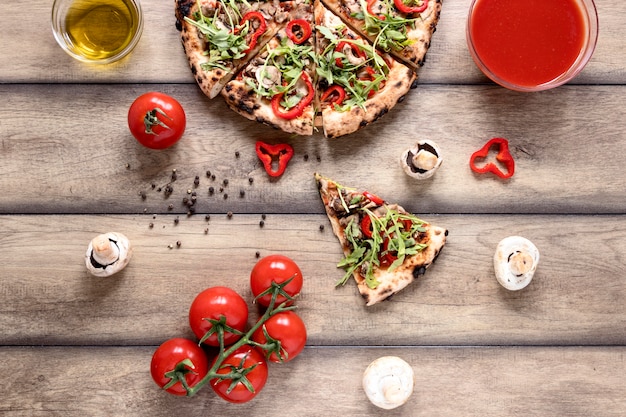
(100, 29)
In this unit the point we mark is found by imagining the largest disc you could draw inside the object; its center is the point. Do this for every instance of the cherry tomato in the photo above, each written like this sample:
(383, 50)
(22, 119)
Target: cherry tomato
(164, 366)
(156, 120)
(251, 368)
(287, 328)
(275, 268)
(217, 304)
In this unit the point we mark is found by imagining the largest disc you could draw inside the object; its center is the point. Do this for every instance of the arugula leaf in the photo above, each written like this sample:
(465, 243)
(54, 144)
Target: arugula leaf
(366, 252)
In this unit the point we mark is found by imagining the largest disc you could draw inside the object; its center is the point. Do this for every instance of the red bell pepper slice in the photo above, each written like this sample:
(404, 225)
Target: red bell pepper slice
(373, 198)
(370, 9)
(355, 49)
(366, 226)
(249, 17)
(370, 75)
(334, 94)
(298, 109)
(271, 154)
(299, 37)
(504, 157)
(405, 8)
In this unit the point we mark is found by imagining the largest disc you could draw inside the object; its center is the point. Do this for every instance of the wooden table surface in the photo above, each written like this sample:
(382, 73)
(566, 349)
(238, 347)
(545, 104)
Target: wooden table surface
(74, 345)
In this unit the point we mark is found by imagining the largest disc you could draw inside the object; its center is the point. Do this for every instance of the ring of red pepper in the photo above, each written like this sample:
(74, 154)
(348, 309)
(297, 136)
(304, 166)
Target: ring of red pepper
(358, 52)
(249, 17)
(298, 109)
(405, 8)
(281, 153)
(504, 156)
(301, 36)
(386, 256)
(335, 94)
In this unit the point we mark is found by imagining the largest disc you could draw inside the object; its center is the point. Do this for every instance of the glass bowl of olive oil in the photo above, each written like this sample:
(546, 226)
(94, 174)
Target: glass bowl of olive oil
(97, 31)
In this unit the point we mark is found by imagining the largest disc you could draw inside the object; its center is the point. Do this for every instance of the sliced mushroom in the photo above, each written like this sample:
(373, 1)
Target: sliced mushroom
(107, 254)
(515, 262)
(388, 382)
(268, 76)
(350, 55)
(422, 160)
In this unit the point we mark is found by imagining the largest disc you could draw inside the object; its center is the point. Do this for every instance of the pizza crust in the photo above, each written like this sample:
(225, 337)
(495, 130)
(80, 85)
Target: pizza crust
(399, 81)
(245, 102)
(210, 82)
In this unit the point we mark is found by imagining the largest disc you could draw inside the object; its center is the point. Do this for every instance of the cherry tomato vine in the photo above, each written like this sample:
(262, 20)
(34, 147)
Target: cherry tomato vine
(239, 370)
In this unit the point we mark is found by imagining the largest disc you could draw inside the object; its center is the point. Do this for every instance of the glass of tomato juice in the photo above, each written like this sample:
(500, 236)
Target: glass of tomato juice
(531, 45)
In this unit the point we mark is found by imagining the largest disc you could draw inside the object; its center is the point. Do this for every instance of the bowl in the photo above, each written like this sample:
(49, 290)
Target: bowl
(97, 31)
(531, 45)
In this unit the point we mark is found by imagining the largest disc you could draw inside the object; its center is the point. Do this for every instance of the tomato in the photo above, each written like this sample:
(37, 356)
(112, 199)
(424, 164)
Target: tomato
(156, 120)
(217, 304)
(250, 368)
(165, 365)
(289, 330)
(275, 268)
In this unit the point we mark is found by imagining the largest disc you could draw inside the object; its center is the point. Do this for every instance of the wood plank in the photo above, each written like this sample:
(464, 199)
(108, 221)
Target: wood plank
(488, 382)
(33, 56)
(576, 297)
(81, 157)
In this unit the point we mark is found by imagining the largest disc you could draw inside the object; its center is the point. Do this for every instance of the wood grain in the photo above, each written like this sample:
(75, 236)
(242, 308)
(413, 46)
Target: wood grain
(496, 382)
(86, 161)
(75, 345)
(576, 297)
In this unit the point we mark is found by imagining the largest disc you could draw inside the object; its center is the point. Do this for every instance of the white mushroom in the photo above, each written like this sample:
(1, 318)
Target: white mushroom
(268, 76)
(107, 254)
(515, 262)
(422, 160)
(351, 56)
(388, 382)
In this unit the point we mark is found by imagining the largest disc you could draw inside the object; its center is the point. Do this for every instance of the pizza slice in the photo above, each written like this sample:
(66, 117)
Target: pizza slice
(403, 28)
(385, 247)
(277, 87)
(220, 36)
(356, 83)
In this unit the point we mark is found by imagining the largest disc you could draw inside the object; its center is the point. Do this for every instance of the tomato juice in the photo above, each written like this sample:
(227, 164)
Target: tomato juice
(526, 44)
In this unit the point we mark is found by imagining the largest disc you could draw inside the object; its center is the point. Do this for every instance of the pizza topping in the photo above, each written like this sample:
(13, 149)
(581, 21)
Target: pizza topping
(380, 236)
(222, 43)
(420, 6)
(261, 27)
(422, 160)
(515, 262)
(268, 76)
(299, 31)
(503, 156)
(274, 157)
(351, 52)
(370, 9)
(334, 94)
(352, 64)
(280, 101)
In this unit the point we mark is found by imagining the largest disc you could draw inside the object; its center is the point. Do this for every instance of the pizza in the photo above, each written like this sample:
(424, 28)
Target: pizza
(300, 65)
(357, 84)
(402, 28)
(279, 76)
(219, 37)
(385, 247)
